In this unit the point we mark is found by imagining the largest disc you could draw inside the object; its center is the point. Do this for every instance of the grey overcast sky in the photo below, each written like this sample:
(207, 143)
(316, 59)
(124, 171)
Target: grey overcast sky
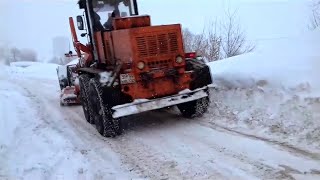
(33, 23)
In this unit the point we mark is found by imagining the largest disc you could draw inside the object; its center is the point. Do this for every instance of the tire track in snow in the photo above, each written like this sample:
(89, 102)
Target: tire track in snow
(258, 168)
(26, 129)
(281, 145)
(137, 157)
(149, 151)
(81, 135)
(145, 161)
(286, 169)
(195, 151)
(276, 166)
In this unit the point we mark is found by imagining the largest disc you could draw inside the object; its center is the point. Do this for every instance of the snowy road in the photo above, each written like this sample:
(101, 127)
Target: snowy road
(44, 140)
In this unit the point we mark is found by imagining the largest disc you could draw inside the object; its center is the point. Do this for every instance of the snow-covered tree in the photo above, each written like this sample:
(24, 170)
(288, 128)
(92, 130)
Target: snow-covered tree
(3, 55)
(214, 40)
(28, 55)
(206, 44)
(218, 40)
(194, 42)
(15, 55)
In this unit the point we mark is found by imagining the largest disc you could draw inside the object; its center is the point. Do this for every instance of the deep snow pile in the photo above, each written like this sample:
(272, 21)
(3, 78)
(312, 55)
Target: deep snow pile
(34, 70)
(272, 92)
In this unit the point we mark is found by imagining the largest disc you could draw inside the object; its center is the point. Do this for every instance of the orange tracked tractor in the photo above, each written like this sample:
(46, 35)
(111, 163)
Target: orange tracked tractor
(129, 66)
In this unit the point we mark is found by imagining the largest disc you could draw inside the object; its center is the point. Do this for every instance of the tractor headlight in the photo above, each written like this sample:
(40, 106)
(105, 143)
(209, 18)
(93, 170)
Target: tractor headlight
(179, 60)
(140, 65)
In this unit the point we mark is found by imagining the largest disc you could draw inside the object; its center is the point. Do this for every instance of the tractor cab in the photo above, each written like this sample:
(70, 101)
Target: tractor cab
(104, 12)
(101, 13)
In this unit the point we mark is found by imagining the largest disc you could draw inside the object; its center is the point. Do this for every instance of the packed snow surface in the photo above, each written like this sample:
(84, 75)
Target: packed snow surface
(263, 123)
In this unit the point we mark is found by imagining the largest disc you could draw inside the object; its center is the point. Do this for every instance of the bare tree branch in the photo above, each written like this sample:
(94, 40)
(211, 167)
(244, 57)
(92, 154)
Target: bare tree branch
(218, 40)
(28, 55)
(234, 39)
(15, 54)
(206, 44)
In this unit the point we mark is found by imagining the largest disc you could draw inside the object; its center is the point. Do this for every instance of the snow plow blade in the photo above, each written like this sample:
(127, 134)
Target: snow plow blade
(148, 105)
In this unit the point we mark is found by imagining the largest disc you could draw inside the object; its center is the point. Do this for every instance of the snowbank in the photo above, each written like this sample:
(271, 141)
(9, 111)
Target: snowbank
(283, 63)
(37, 141)
(23, 63)
(273, 92)
(34, 69)
(272, 114)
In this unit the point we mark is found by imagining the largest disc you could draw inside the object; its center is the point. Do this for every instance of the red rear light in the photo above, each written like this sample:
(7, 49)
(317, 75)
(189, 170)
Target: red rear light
(191, 55)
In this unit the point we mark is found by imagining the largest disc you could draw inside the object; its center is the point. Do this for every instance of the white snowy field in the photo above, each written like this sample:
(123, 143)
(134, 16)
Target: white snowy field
(263, 123)
(273, 92)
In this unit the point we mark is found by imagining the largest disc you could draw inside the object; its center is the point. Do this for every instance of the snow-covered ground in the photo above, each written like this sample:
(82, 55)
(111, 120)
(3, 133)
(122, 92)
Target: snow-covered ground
(36, 140)
(273, 92)
(33, 70)
(263, 123)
